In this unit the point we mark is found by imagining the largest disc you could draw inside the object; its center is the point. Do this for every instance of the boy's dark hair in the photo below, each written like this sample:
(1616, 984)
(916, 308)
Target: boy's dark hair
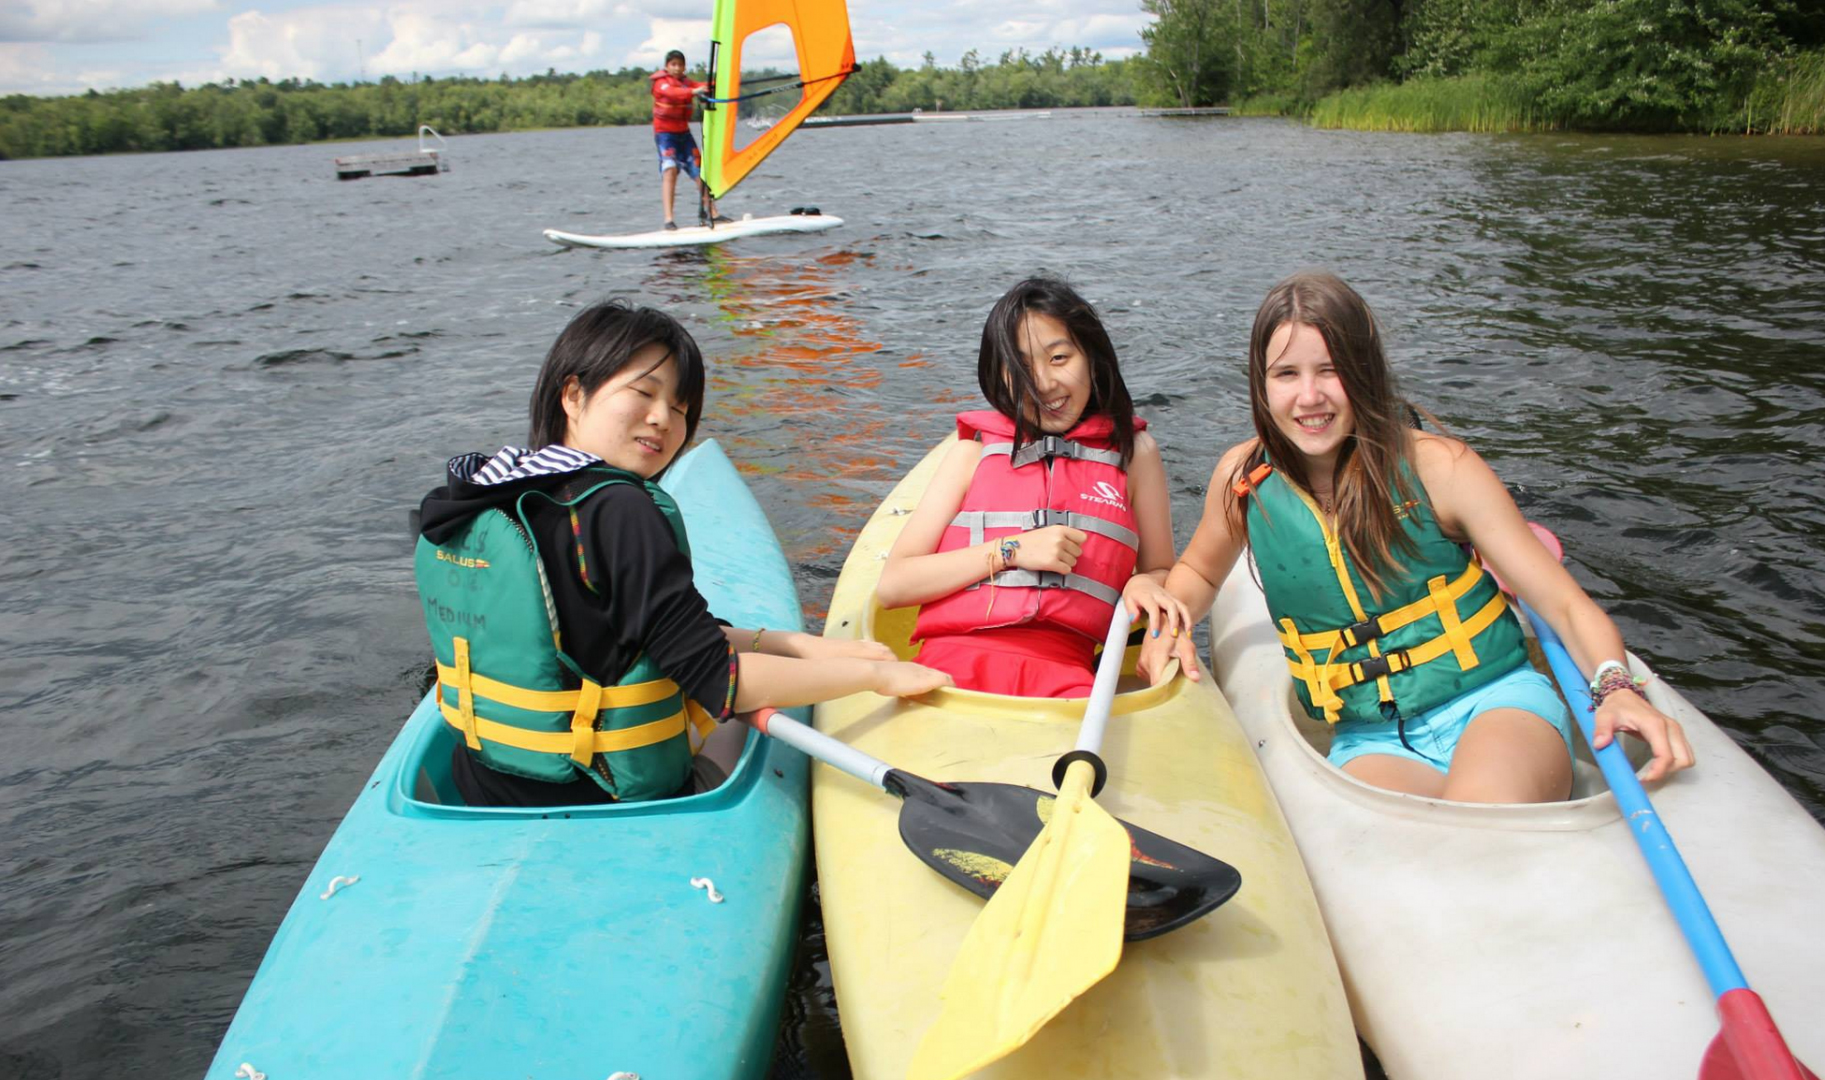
(596, 345)
(675, 54)
(1007, 384)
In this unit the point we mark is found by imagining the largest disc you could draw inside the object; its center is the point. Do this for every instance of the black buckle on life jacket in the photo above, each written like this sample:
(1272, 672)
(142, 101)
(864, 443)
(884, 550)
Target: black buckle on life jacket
(1361, 633)
(1044, 517)
(1377, 666)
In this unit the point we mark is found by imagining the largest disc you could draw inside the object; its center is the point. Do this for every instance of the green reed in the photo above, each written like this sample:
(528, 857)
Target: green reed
(1466, 103)
(1789, 98)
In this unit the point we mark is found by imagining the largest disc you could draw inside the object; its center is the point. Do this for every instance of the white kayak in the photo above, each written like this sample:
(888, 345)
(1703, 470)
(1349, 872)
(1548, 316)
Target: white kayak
(698, 235)
(1524, 942)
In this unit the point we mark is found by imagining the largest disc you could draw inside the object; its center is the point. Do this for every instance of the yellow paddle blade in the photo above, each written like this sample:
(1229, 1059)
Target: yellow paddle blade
(1052, 931)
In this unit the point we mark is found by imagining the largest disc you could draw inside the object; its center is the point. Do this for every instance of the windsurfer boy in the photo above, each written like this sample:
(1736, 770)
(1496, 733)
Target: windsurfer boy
(673, 96)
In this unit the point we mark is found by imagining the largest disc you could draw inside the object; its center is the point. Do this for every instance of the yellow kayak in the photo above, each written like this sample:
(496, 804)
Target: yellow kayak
(1250, 990)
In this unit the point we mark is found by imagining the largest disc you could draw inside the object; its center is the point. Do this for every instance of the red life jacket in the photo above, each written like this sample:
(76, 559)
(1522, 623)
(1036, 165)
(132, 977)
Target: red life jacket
(672, 102)
(1075, 479)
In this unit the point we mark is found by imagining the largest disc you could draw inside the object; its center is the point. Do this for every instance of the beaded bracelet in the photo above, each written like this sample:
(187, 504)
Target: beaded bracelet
(754, 646)
(1611, 677)
(728, 701)
(1607, 665)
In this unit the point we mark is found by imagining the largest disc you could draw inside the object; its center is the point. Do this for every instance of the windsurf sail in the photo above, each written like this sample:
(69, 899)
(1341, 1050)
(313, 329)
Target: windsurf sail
(772, 63)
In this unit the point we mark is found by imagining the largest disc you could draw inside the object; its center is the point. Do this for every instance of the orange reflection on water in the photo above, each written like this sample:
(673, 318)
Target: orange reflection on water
(793, 392)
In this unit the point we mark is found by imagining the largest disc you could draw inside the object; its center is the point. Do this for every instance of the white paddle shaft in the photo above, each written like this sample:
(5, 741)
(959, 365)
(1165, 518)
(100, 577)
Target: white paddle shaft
(815, 744)
(1102, 692)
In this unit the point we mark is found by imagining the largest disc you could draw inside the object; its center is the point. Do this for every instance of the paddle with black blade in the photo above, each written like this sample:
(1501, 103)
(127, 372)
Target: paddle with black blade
(1748, 1046)
(974, 833)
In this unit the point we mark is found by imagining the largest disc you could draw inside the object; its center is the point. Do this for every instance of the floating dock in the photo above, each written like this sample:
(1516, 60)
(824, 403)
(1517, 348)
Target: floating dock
(427, 160)
(1205, 110)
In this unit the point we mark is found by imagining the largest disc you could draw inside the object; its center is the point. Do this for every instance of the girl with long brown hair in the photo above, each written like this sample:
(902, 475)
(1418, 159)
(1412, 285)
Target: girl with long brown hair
(1369, 538)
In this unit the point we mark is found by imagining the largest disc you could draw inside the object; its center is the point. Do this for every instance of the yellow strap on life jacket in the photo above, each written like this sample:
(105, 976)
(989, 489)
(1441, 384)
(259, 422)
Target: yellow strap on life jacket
(1316, 676)
(1456, 637)
(1341, 676)
(463, 679)
(564, 742)
(583, 722)
(1345, 638)
(612, 697)
(701, 724)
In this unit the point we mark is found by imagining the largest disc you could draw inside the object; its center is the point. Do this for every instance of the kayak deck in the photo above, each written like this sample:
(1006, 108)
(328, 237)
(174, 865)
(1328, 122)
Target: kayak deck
(551, 943)
(1250, 990)
(1533, 935)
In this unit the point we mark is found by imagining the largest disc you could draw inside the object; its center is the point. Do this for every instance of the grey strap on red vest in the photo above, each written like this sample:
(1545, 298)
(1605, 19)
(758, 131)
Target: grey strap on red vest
(1051, 446)
(1052, 579)
(978, 520)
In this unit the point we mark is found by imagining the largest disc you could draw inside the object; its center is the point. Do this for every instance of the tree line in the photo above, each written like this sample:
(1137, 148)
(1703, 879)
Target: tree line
(1691, 65)
(167, 116)
(1652, 65)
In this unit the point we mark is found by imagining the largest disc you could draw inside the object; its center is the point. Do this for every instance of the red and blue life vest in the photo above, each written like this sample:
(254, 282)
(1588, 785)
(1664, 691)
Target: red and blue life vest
(672, 101)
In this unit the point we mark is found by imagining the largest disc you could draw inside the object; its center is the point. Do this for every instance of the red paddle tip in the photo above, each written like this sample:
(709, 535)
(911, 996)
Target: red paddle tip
(758, 719)
(1749, 1046)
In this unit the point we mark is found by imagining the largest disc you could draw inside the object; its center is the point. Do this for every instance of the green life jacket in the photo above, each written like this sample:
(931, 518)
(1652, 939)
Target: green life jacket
(504, 680)
(1443, 628)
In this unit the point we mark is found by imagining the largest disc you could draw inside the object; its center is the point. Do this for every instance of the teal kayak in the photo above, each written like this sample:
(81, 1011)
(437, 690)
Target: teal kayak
(437, 940)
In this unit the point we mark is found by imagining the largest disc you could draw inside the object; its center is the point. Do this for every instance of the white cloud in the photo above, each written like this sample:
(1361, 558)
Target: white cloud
(338, 40)
(91, 20)
(904, 31)
(27, 69)
(563, 14)
(333, 43)
(690, 35)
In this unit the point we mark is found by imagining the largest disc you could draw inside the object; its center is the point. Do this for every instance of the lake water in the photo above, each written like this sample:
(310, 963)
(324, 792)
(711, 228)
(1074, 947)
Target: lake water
(225, 377)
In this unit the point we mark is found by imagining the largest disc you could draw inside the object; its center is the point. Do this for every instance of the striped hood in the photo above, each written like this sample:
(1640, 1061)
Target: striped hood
(477, 482)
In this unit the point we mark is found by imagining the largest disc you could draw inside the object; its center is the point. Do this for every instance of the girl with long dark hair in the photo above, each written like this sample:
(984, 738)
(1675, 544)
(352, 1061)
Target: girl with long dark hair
(1051, 509)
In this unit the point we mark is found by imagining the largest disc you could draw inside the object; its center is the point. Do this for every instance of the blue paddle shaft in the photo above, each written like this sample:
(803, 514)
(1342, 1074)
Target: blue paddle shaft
(1676, 884)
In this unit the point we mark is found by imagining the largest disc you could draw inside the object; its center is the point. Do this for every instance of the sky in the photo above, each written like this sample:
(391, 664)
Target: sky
(54, 47)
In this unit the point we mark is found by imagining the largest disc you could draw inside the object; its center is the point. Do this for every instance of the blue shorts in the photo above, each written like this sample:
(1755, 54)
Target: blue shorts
(1431, 737)
(677, 150)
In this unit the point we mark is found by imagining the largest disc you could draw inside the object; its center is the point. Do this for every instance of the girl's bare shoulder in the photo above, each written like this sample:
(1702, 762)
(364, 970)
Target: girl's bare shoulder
(1233, 458)
(963, 453)
(1439, 455)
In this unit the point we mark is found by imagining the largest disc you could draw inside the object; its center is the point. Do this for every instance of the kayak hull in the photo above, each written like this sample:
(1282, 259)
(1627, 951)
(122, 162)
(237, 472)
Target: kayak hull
(551, 943)
(1531, 941)
(1250, 990)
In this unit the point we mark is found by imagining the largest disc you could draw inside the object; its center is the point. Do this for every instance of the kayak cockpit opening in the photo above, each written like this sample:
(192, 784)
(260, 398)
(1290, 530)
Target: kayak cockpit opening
(422, 784)
(893, 627)
(1587, 779)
